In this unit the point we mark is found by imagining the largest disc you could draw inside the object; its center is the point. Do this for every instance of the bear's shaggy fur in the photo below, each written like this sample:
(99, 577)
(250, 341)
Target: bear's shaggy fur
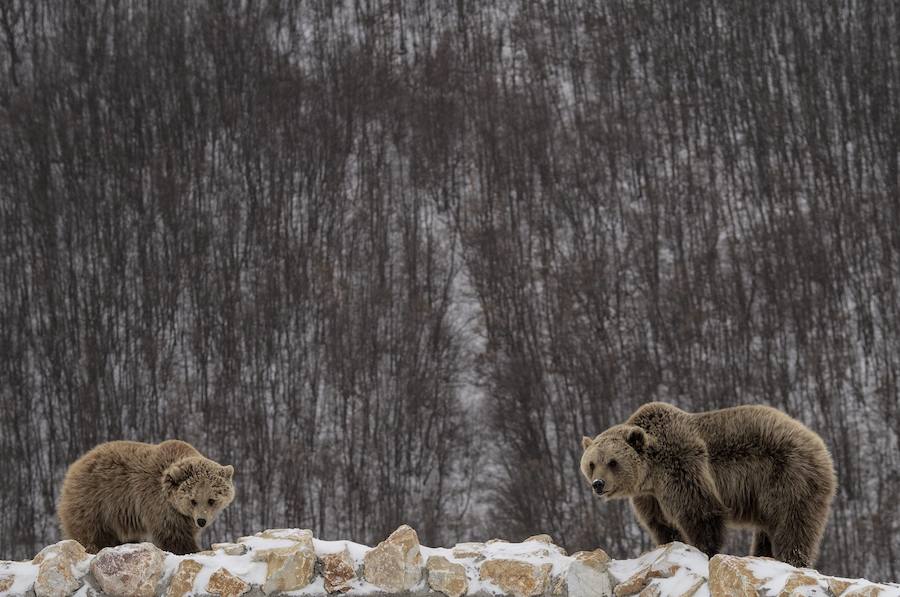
(123, 492)
(688, 474)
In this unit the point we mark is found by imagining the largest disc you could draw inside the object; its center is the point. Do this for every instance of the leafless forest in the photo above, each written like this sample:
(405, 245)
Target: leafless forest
(393, 259)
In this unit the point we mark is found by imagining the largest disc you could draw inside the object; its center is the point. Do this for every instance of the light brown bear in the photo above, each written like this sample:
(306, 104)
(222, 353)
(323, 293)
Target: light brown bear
(123, 492)
(688, 474)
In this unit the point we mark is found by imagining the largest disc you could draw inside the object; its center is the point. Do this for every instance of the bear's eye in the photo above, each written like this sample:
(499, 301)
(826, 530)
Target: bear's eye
(193, 502)
(612, 465)
(212, 502)
(592, 467)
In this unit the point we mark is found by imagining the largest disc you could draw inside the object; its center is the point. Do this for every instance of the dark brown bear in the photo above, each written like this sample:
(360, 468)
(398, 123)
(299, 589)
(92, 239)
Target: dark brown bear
(689, 474)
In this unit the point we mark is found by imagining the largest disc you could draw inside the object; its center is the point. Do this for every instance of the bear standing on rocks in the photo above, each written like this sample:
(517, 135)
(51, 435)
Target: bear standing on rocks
(123, 492)
(688, 474)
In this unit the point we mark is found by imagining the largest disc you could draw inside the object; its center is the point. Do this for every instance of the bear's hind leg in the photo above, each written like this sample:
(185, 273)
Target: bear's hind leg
(762, 547)
(796, 541)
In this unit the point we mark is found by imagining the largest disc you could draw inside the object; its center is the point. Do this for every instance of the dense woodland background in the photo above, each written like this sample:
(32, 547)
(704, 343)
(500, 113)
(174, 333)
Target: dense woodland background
(393, 259)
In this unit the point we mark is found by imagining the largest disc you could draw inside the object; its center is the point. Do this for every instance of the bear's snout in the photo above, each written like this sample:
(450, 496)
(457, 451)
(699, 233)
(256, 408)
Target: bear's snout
(201, 522)
(598, 486)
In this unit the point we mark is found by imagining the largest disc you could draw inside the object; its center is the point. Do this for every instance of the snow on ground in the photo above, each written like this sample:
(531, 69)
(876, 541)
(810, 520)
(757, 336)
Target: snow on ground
(691, 563)
(24, 573)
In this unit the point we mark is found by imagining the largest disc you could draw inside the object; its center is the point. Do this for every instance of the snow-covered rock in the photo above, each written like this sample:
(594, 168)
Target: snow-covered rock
(338, 571)
(131, 570)
(396, 563)
(446, 577)
(60, 569)
(292, 560)
(182, 581)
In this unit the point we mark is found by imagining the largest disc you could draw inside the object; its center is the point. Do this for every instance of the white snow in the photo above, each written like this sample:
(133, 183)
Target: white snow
(25, 574)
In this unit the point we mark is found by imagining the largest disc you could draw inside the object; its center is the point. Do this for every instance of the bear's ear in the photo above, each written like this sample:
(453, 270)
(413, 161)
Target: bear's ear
(585, 442)
(228, 472)
(175, 476)
(636, 438)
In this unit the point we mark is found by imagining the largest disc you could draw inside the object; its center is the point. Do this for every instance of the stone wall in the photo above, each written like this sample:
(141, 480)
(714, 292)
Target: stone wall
(293, 561)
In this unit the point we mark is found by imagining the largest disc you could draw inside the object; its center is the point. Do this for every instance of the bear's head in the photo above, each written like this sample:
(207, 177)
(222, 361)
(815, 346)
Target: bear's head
(614, 463)
(198, 488)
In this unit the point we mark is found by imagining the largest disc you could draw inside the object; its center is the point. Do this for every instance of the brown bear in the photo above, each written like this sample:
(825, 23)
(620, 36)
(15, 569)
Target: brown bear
(689, 474)
(122, 492)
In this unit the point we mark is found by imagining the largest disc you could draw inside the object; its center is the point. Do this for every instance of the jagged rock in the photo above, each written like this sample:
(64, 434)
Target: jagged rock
(224, 583)
(395, 564)
(492, 541)
(548, 540)
(696, 583)
(231, 549)
(464, 551)
(302, 536)
(447, 577)
(131, 570)
(798, 580)
(516, 577)
(838, 585)
(338, 570)
(732, 575)
(182, 581)
(588, 575)
(864, 589)
(287, 568)
(658, 564)
(6, 581)
(598, 558)
(635, 583)
(61, 568)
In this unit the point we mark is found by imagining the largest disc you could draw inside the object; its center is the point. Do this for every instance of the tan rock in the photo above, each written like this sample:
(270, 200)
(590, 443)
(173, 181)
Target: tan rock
(697, 583)
(224, 583)
(395, 564)
(558, 587)
(651, 591)
(838, 585)
(287, 568)
(796, 581)
(6, 582)
(515, 577)
(588, 575)
(338, 570)
(635, 583)
(731, 575)
(865, 591)
(446, 577)
(492, 541)
(182, 581)
(465, 551)
(131, 570)
(303, 536)
(61, 568)
(231, 549)
(597, 558)
(548, 540)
